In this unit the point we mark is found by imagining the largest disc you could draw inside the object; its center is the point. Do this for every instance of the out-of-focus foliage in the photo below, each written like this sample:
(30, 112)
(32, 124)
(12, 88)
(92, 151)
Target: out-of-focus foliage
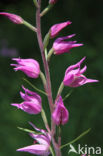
(85, 104)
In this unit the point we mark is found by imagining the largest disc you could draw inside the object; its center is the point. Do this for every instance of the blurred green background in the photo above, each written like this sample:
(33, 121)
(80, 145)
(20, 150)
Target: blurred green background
(85, 104)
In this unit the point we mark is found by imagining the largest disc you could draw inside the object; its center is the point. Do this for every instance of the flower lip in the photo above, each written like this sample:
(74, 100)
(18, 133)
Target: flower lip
(60, 114)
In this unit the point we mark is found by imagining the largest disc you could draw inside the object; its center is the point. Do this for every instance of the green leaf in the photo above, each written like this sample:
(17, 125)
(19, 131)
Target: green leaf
(27, 130)
(67, 95)
(34, 87)
(76, 139)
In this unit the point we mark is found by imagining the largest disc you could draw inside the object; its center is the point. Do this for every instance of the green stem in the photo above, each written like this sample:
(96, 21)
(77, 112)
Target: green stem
(50, 54)
(35, 3)
(46, 55)
(51, 150)
(29, 26)
(60, 89)
(76, 139)
(34, 87)
(45, 120)
(46, 10)
(59, 136)
(42, 76)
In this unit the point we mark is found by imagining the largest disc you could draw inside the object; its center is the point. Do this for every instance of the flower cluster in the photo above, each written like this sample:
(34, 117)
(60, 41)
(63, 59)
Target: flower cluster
(60, 45)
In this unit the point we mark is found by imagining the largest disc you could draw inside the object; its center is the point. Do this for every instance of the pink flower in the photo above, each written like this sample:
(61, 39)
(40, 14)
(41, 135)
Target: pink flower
(61, 46)
(14, 18)
(29, 66)
(55, 29)
(52, 1)
(42, 145)
(31, 104)
(84, 155)
(74, 75)
(60, 114)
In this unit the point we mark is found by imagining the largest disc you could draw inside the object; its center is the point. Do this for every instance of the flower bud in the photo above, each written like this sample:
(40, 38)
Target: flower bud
(52, 1)
(29, 66)
(60, 114)
(61, 46)
(55, 29)
(14, 18)
(74, 75)
(31, 104)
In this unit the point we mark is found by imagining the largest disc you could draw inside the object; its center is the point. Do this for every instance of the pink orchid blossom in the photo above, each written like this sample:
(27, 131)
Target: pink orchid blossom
(32, 102)
(14, 18)
(55, 29)
(84, 155)
(61, 46)
(74, 75)
(41, 147)
(29, 66)
(60, 114)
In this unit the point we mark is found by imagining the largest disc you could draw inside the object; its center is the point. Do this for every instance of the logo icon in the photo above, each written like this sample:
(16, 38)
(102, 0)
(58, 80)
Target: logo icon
(85, 150)
(72, 149)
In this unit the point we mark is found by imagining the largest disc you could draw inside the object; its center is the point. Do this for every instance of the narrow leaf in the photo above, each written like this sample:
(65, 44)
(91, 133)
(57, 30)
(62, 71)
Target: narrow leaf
(76, 139)
(27, 130)
(67, 95)
(34, 87)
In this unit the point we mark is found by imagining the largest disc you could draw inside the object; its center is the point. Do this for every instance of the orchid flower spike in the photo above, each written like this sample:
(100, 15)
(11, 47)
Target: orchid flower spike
(29, 66)
(14, 18)
(42, 145)
(60, 114)
(61, 46)
(55, 29)
(32, 102)
(74, 75)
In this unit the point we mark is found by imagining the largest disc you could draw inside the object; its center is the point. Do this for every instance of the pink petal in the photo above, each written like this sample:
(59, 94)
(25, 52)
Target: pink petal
(60, 114)
(55, 29)
(35, 149)
(77, 65)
